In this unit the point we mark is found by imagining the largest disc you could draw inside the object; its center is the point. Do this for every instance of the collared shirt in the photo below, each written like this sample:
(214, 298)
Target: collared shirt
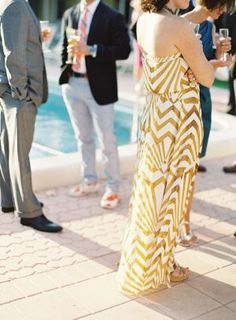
(92, 8)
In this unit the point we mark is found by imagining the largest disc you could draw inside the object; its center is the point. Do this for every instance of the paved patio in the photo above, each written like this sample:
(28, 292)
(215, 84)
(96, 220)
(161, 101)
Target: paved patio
(72, 275)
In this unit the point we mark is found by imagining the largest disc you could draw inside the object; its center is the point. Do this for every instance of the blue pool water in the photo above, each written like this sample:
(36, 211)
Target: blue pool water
(54, 133)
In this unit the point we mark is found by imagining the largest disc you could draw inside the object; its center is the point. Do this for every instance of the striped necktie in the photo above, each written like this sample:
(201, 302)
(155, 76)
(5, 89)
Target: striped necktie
(83, 33)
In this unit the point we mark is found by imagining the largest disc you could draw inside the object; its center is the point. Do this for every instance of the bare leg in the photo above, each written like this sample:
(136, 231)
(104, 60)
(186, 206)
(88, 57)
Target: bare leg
(188, 239)
(186, 225)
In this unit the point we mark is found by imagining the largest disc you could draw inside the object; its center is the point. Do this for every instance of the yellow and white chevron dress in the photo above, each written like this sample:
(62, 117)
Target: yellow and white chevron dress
(168, 154)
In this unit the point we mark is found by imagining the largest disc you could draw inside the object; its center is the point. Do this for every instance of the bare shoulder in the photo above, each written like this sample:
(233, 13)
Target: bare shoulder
(183, 27)
(180, 24)
(142, 18)
(173, 21)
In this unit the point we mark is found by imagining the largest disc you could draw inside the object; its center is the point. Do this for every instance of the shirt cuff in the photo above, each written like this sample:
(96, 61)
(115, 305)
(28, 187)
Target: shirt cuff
(93, 50)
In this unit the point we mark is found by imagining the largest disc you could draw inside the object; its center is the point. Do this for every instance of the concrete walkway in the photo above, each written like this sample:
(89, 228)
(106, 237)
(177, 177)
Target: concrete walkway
(72, 275)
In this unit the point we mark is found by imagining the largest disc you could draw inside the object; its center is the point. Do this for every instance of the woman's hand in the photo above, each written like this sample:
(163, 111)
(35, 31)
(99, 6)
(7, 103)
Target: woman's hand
(219, 63)
(223, 45)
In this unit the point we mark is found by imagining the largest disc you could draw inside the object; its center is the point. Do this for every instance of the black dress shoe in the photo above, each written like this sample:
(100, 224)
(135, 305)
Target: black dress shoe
(12, 209)
(41, 223)
(201, 168)
(231, 169)
(232, 112)
(235, 233)
(8, 209)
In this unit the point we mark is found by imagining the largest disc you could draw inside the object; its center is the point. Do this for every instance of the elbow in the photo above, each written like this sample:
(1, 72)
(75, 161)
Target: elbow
(208, 79)
(209, 82)
(124, 54)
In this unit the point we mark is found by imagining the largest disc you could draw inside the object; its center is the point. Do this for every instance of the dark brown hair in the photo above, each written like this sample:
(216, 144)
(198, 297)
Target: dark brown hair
(213, 4)
(153, 5)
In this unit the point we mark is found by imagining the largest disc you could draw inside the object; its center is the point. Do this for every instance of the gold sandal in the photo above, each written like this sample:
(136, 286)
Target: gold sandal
(179, 274)
(189, 239)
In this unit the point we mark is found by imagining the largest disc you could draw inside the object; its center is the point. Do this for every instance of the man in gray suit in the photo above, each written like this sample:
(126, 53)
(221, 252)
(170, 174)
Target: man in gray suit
(23, 87)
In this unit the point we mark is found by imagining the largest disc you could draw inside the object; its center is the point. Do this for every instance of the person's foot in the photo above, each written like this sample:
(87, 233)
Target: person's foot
(230, 169)
(110, 200)
(41, 223)
(8, 209)
(201, 168)
(12, 209)
(179, 274)
(235, 233)
(84, 190)
(188, 238)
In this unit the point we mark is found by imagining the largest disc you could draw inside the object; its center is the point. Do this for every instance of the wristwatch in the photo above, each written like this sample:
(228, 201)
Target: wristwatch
(93, 50)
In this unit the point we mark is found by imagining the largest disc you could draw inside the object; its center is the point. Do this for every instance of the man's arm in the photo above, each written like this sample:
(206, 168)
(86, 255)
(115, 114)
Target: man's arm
(119, 48)
(14, 32)
(64, 41)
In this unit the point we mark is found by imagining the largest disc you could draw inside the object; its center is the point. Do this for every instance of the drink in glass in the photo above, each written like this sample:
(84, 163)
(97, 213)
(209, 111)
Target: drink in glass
(45, 32)
(196, 28)
(73, 38)
(223, 34)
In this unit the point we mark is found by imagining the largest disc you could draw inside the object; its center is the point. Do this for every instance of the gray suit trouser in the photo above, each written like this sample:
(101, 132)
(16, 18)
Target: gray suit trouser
(16, 137)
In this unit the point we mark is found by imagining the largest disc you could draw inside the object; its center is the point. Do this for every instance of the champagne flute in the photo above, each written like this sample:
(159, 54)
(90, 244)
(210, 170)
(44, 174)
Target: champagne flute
(45, 33)
(196, 28)
(223, 34)
(73, 37)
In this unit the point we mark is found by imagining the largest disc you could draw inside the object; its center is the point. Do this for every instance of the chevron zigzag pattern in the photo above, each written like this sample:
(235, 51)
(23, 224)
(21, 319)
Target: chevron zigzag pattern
(168, 155)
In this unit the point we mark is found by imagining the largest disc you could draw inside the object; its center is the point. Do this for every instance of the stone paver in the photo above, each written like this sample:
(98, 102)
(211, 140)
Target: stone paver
(181, 302)
(218, 314)
(219, 285)
(133, 310)
(232, 306)
(72, 275)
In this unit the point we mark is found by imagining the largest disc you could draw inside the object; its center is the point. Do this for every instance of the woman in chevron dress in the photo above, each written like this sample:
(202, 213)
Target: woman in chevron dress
(168, 148)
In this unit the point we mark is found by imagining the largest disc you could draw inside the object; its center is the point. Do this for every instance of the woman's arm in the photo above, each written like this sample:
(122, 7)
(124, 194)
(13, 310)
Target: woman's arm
(191, 49)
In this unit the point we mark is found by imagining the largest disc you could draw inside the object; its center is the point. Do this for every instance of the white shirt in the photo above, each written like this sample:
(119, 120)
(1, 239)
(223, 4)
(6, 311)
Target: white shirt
(92, 8)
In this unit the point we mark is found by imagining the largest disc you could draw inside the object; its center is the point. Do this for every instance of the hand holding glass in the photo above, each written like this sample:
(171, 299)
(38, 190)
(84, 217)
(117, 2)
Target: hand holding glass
(45, 32)
(73, 37)
(223, 34)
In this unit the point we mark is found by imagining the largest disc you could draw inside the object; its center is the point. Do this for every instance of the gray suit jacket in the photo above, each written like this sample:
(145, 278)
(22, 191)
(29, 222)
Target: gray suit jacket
(21, 58)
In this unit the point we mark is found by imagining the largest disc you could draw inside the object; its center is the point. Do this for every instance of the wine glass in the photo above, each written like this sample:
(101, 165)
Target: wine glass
(223, 34)
(73, 37)
(45, 33)
(196, 28)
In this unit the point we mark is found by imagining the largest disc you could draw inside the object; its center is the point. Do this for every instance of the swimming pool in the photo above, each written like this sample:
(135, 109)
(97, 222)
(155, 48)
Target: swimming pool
(54, 134)
(55, 162)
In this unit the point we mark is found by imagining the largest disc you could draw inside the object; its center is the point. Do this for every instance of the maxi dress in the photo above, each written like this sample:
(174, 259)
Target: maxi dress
(169, 148)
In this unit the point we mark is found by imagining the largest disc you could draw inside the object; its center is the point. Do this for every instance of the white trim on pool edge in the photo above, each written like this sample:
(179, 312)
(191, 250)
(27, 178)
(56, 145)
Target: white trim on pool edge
(63, 170)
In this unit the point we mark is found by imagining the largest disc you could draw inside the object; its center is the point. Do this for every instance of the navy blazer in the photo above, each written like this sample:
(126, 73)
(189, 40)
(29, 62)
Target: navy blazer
(109, 32)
